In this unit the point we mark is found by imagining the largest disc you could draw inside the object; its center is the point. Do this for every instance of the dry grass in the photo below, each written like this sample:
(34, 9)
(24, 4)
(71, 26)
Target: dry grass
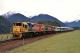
(4, 37)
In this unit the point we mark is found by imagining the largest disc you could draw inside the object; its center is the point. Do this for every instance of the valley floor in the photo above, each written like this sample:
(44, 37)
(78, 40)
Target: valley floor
(68, 42)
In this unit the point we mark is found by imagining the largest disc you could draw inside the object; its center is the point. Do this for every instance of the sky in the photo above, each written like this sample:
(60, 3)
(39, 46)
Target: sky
(64, 10)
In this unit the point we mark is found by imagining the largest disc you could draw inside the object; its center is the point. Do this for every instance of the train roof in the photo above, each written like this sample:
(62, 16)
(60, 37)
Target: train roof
(63, 27)
(24, 23)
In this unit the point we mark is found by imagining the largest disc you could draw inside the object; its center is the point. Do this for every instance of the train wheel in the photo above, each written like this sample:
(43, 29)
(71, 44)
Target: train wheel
(36, 34)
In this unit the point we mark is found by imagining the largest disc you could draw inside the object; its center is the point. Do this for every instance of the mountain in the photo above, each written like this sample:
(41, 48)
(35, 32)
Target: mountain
(45, 18)
(17, 17)
(4, 25)
(74, 24)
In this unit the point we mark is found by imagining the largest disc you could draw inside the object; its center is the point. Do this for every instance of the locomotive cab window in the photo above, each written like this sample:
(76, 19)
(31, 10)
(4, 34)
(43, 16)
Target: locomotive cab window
(18, 24)
(25, 26)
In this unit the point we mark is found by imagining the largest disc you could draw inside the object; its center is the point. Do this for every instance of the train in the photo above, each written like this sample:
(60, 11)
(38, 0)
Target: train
(28, 29)
(63, 29)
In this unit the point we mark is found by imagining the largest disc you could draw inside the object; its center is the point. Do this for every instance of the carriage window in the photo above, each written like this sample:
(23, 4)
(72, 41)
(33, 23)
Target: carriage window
(25, 26)
(18, 24)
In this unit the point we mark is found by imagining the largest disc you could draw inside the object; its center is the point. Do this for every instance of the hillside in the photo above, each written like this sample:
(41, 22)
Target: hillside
(17, 17)
(45, 18)
(4, 25)
(74, 24)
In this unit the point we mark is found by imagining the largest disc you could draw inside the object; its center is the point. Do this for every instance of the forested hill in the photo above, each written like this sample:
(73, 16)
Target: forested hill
(4, 25)
(45, 18)
(75, 24)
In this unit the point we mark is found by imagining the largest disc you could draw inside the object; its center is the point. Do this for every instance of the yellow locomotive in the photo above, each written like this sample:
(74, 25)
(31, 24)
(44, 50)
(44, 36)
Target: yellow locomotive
(18, 28)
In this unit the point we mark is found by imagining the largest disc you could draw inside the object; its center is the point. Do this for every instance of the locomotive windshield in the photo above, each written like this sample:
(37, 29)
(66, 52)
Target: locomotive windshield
(17, 24)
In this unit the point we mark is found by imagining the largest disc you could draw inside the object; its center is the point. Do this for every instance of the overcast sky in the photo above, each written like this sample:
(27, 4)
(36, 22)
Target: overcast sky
(64, 10)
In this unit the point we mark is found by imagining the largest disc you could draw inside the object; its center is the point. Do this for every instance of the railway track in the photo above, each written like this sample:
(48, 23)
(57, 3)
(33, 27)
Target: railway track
(9, 45)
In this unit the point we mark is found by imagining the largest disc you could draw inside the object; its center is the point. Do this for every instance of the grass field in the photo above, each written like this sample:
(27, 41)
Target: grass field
(60, 43)
(4, 37)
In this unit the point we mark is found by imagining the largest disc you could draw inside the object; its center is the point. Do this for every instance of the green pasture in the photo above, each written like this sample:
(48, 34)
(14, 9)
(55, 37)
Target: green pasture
(68, 42)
